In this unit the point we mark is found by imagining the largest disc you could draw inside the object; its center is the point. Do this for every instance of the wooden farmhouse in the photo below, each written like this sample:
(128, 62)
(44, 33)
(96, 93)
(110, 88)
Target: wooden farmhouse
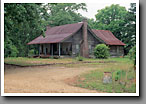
(76, 39)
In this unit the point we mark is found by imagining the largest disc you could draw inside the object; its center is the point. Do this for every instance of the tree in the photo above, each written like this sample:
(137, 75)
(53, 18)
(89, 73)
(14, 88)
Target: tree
(23, 22)
(130, 31)
(65, 13)
(112, 18)
(92, 23)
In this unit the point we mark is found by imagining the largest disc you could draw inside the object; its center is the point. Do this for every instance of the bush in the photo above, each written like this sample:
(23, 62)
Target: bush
(31, 52)
(132, 54)
(80, 58)
(101, 51)
(14, 51)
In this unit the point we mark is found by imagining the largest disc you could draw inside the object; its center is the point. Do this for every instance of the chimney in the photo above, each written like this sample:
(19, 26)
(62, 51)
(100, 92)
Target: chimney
(85, 49)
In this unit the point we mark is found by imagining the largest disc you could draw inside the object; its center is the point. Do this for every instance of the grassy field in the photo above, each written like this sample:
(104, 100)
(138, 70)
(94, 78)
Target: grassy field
(122, 73)
(24, 61)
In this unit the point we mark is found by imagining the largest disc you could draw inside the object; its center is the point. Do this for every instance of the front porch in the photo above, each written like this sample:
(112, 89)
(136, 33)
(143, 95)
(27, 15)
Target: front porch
(55, 49)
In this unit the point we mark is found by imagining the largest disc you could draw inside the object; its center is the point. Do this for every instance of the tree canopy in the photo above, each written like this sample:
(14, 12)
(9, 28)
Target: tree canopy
(65, 13)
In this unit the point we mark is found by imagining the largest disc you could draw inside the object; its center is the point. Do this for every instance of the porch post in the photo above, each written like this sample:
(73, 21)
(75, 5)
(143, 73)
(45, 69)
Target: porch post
(52, 49)
(59, 49)
(45, 49)
(39, 49)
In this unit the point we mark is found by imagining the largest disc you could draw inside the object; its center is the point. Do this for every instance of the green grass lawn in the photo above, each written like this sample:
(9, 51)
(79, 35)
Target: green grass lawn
(24, 61)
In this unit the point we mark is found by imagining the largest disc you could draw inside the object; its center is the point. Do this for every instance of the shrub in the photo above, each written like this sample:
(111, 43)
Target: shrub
(14, 51)
(132, 54)
(31, 52)
(80, 58)
(101, 51)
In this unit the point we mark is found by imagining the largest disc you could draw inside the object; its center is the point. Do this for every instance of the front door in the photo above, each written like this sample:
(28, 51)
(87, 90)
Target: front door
(55, 49)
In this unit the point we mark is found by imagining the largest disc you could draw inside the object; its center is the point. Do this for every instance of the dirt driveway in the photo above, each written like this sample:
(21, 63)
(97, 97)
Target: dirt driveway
(43, 79)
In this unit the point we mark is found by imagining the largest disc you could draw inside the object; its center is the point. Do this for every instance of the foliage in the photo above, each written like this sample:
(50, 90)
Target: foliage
(93, 81)
(119, 74)
(10, 49)
(112, 18)
(132, 54)
(80, 58)
(101, 51)
(92, 23)
(23, 22)
(31, 52)
(130, 32)
(65, 13)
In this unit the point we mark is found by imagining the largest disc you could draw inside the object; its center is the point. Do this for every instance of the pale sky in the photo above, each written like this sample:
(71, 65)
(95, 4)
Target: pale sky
(93, 7)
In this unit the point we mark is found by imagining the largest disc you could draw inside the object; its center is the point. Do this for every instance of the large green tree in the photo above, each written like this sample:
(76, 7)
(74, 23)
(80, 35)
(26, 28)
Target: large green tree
(65, 13)
(22, 23)
(130, 31)
(112, 18)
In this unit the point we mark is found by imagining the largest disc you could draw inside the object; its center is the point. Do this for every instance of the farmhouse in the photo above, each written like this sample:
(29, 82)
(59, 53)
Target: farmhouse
(75, 39)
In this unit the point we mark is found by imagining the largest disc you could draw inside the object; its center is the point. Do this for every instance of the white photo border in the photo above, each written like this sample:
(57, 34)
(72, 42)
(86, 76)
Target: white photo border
(69, 94)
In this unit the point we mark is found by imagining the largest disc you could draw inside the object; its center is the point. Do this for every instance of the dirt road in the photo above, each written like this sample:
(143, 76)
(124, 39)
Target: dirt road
(43, 79)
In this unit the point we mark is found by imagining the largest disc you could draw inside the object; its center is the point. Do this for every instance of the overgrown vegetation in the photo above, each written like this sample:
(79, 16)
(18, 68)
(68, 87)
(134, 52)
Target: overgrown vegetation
(132, 54)
(23, 61)
(31, 52)
(123, 78)
(101, 51)
(79, 58)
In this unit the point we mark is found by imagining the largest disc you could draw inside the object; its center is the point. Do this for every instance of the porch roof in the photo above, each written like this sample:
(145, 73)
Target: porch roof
(57, 34)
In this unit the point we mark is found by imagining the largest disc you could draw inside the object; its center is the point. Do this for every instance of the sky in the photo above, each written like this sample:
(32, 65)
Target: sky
(93, 7)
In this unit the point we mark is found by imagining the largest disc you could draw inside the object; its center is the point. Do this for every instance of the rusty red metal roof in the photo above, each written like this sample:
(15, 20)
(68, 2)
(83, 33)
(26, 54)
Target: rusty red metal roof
(107, 37)
(57, 34)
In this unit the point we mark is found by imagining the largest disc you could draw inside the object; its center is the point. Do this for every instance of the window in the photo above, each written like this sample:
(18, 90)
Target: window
(90, 49)
(113, 49)
(77, 46)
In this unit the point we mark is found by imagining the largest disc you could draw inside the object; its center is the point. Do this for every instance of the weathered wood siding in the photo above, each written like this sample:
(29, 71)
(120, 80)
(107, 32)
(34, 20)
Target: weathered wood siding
(116, 50)
(76, 41)
(92, 42)
(73, 46)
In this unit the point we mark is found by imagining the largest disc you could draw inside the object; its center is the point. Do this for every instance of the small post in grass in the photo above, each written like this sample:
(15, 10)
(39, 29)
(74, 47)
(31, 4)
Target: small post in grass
(107, 78)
